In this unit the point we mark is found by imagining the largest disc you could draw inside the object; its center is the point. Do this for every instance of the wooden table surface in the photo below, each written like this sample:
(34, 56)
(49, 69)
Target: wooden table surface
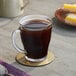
(63, 41)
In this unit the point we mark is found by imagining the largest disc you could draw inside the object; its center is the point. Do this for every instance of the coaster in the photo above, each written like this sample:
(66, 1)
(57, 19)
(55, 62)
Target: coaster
(20, 58)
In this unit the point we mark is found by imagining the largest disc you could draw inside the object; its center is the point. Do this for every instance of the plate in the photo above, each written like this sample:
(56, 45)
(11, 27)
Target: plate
(60, 14)
(13, 70)
(20, 58)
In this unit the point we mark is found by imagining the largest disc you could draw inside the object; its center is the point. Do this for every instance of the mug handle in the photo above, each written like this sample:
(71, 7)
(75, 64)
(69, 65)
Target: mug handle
(25, 4)
(14, 42)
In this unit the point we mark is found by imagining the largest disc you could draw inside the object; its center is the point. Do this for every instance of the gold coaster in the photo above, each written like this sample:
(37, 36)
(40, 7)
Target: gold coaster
(20, 58)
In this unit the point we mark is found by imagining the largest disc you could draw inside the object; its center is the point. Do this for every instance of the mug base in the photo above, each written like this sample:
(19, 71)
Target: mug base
(35, 60)
(20, 58)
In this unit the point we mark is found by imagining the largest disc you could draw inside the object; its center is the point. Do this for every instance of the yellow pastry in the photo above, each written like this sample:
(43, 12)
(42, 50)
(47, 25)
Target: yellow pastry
(71, 18)
(70, 7)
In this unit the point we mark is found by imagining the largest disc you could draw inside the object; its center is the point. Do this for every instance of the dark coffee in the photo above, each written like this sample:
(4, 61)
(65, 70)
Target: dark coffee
(35, 37)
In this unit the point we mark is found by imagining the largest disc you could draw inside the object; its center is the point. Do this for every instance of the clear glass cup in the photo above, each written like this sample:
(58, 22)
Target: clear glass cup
(35, 32)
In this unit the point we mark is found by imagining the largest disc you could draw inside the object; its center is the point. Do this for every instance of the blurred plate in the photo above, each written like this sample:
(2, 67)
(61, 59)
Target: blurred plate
(60, 14)
(13, 70)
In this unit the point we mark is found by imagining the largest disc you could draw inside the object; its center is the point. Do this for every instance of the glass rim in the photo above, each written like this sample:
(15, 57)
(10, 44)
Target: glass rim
(26, 19)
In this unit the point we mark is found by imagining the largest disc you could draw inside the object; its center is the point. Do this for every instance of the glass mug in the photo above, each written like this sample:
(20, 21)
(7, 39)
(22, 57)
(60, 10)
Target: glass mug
(35, 32)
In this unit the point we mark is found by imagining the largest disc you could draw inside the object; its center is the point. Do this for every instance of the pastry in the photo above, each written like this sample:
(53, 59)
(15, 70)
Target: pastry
(70, 7)
(71, 18)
